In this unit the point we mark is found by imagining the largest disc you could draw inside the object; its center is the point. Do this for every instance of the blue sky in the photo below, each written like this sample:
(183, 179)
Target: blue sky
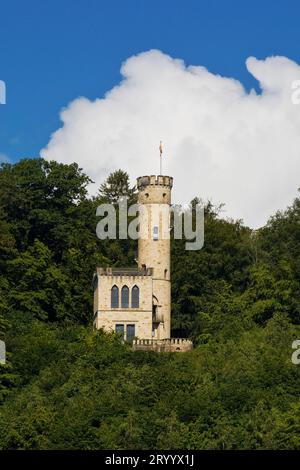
(54, 51)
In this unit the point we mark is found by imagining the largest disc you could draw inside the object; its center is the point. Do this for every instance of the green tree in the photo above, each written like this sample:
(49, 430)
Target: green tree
(117, 186)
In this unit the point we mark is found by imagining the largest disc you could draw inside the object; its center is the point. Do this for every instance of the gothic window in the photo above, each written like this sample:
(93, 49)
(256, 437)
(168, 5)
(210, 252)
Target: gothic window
(155, 233)
(114, 297)
(135, 297)
(125, 297)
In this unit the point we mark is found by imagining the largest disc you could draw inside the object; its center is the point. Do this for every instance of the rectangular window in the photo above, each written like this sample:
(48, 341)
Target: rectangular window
(120, 329)
(130, 332)
(155, 233)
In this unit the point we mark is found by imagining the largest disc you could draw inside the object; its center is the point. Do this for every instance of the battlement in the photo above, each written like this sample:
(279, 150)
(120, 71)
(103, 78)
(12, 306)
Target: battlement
(162, 345)
(154, 180)
(113, 271)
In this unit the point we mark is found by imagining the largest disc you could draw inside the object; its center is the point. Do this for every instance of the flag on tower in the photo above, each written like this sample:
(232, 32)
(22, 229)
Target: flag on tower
(160, 148)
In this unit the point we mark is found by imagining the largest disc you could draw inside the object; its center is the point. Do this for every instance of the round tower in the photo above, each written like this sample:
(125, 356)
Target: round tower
(154, 198)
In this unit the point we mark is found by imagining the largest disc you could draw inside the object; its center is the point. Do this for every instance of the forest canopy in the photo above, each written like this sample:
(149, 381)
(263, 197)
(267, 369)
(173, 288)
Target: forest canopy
(65, 386)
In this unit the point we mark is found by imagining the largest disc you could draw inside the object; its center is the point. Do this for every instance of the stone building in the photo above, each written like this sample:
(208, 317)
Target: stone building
(136, 302)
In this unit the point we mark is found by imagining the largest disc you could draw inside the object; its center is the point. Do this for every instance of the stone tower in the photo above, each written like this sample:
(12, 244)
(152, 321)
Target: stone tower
(135, 302)
(154, 195)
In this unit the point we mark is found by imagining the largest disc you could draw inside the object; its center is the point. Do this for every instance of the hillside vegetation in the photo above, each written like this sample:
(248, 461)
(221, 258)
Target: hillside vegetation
(65, 386)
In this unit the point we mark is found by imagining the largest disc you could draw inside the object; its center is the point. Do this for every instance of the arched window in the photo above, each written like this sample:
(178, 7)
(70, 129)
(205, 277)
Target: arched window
(135, 297)
(114, 297)
(155, 232)
(125, 297)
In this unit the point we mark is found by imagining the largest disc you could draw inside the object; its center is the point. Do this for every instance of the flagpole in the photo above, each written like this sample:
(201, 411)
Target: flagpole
(160, 158)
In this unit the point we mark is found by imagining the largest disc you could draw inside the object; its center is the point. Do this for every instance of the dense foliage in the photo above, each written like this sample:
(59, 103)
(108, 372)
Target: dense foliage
(65, 386)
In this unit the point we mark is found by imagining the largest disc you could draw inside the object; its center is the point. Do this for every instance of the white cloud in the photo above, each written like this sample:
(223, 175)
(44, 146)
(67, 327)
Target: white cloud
(220, 142)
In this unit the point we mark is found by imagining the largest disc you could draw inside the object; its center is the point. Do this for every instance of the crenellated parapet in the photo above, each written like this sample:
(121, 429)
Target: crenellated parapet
(163, 345)
(153, 180)
(124, 272)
